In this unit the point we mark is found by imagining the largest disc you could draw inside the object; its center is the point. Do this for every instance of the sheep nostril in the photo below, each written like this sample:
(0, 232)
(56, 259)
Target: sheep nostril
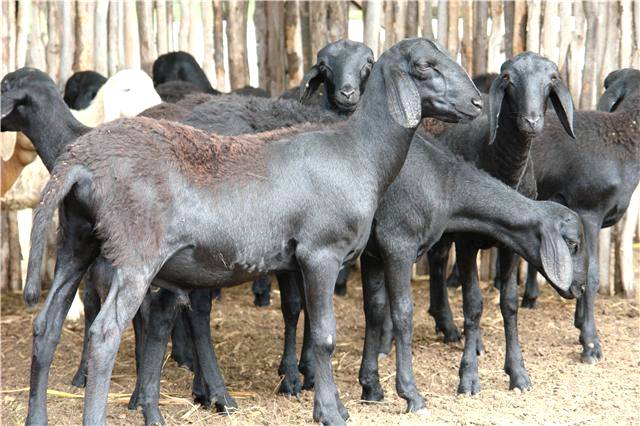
(532, 120)
(348, 93)
(476, 102)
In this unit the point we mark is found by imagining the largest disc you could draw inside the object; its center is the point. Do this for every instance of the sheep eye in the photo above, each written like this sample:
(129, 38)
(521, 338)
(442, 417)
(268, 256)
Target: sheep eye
(573, 245)
(554, 78)
(506, 77)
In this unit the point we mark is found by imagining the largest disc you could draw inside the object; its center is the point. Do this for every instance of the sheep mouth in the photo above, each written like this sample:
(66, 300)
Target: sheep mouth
(346, 106)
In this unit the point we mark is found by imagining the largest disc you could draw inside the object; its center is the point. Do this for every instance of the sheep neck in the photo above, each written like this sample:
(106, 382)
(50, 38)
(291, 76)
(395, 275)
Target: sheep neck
(507, 158)
(378, 139)
(51, 130)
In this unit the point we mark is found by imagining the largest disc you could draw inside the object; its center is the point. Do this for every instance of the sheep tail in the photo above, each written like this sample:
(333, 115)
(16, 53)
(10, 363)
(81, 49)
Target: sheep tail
(62, 180)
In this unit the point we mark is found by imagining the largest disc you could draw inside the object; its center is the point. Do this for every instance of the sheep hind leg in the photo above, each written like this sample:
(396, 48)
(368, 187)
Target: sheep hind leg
(531, 289)
(261, 289)
(91, 308)
(291, 306)
(439, 307)
(128, 289)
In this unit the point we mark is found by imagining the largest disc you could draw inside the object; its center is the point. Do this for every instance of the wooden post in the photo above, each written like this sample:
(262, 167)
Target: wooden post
(480, 40)
(636, 32)
(218, 44)
(626, 230)
(195, 30)
(337, 20)
(54, 20)
(10, 252)
(467, 35)
(550, 33)
(113, 38)
(85, 18)
(534, 12)
(171, 43)
(237, 40)
(371, 37)
(590, 70)
(389, 23)
(24, 17)
(207, 23)
(101, 37)
(443, 23)
(453, 38)
(604, 255)
(148, 52)
(495, 36)
(427, 20)
(36, 56)
(566, 35)
(131, 41)
(161, 24)
(509, 11)
(308, 57)
(612, 44)
(576, 52)
(399, 20)
(68, 43)
(519, 26)
(293, 43)
(184, 25)
(602, 50)
(412, 19)
(276, 51)
(317, 27)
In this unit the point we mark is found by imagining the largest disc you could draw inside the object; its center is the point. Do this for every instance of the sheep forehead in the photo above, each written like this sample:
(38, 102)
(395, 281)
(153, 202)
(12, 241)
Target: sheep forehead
(528, 63)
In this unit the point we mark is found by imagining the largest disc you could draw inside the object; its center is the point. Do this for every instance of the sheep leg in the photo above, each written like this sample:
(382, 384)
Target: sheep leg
(397, 274)
(439, 307)
(91, 301)
(291, 305)
(513, 363)
(320, 270)
(306, 367)
(261, 289)
(182, 344)
(163, 309)
(216, 392)
(376, 310)
(128, 289)
(139, 329)
(71, 263)
(531, 289)
(585, 317)
(341, 282)
(472, 307)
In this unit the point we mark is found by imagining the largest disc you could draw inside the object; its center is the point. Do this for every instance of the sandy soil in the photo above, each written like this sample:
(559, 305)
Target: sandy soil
(249, 341)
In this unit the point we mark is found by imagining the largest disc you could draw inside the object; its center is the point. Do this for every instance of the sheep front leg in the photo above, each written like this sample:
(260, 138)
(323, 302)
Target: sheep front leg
(291, 306)
(439, 307)
(585, 316)
(397, 273)
(472, 307)
(320, 270)
(128, 289)
(513, 363)
(376, 309)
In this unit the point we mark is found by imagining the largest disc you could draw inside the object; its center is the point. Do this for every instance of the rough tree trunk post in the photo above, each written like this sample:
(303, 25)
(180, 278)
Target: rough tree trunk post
(131, 41)
(373, 12)
(54, 20)
(443, 22)
(36, 55)
(161, 25)
(218, 44)
(389, 21)
(612, 44)
(305, 30)
(85, 51)
(8, 36)
(495, 36)
(293, 44)
(576, 51)
(601, 48)
(566, 35)
(68, 43)
(626, 27)
(171, 44)
(183, 36)
(24, 17)
(480, 40)
(509, 11)
(276, 56)
(317, 27)
(467, 35)
(121, 26)
(550, 33)
(427, 20)
(412, 19)
(11, 268)
(519, 26)
(453, 38)
(534, 12)
(262, 43)
(400, 20)
(604, 254)
(113, 38)
(207, 24)
(626, 231)
(195, 30)
(636, 56)
(337, 20)
(148, 52)
(101, 36)
(590, 70)
(236, 37)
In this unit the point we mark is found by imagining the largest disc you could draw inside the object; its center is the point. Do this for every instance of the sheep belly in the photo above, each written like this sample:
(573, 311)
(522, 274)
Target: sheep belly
(202, 267)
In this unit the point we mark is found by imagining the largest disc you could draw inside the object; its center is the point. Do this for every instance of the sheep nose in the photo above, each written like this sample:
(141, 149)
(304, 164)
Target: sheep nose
(476, 102)
(532, 119)
(348, 92)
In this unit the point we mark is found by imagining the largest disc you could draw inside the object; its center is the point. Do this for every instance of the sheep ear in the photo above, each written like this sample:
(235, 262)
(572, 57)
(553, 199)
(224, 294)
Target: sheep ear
(496, 96)
(403, 98)
(563, 104)
(8, 104)
(310, 83)
(556, 260)
(610, 98)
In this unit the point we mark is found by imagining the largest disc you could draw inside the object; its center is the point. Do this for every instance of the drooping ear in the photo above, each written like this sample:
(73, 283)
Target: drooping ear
(611, 98)
(310, 82)
(9, 103)
(496, 96)
(403, 98)
(563, 105)
(556, 259)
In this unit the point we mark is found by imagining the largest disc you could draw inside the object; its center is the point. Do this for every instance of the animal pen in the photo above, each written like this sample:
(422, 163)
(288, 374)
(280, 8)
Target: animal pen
(271, 45)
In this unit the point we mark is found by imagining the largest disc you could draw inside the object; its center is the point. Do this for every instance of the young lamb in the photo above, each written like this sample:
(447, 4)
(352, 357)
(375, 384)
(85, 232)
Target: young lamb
(208, 211)
(500, 145)
(595, 176)
(435, 194)
(81, 88)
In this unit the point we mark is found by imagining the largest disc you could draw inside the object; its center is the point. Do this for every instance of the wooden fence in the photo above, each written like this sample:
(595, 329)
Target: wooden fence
(271, 43)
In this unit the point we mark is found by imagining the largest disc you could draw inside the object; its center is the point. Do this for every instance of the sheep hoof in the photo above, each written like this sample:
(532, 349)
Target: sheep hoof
(423, 412)
(528, 302)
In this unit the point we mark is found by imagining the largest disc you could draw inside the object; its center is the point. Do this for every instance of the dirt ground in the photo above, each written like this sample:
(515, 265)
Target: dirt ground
(248, 342)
